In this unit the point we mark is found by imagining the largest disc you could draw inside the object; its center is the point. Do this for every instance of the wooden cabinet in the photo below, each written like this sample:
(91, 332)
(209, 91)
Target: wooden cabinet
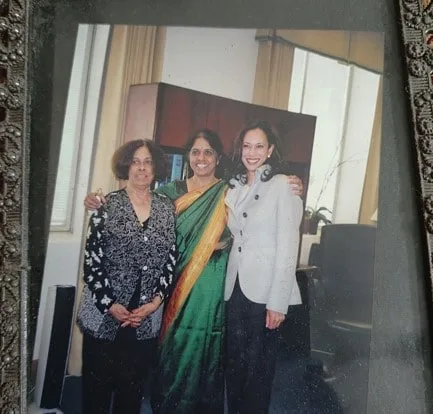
(170, 114)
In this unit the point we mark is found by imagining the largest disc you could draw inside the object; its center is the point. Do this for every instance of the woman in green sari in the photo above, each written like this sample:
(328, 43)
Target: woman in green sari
(189, 375)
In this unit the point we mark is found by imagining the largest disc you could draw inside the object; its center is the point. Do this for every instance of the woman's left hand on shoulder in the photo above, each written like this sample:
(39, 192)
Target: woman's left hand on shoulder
(274, 319)
(296, 185)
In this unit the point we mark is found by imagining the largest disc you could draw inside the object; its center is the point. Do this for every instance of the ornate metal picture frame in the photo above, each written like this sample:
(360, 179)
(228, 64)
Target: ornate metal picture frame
(14, 98)
(24, 61)
(417, 21)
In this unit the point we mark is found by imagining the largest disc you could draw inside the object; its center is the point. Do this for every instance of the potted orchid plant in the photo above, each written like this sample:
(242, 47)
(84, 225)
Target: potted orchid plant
(312, 218)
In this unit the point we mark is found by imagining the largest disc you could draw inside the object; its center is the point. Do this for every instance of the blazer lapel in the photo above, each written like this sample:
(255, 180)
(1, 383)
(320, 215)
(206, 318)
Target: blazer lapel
(238, 200)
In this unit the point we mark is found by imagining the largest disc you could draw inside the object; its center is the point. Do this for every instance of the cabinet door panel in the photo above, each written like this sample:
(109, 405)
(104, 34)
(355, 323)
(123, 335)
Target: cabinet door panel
(199, 111)
(141, 109)
(228, 118)
(174, 116)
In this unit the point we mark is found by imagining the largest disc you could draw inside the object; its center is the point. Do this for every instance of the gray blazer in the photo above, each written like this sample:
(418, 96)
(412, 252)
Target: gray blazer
(264, 220)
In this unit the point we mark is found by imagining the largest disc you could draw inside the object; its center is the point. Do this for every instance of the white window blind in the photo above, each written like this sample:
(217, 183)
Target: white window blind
(71, 133)
(343, 98)
(319, 87)
(361, 108)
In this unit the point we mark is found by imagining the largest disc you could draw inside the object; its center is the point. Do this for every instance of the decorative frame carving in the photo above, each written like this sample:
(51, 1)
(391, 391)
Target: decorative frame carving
(14, 30)
(417, 33)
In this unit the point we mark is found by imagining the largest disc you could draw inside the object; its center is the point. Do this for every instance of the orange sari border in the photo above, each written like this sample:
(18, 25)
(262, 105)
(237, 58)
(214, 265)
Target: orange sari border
(199, 258)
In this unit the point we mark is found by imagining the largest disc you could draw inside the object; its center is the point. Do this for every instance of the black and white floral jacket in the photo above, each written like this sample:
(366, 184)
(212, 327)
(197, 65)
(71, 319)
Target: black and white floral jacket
(119, 254)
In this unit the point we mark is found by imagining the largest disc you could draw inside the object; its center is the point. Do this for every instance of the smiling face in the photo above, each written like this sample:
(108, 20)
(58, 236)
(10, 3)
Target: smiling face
(141, 174)
(255, 150)
(203, 158)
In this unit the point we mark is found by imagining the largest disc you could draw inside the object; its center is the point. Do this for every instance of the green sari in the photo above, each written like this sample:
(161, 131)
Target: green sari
(189, 375)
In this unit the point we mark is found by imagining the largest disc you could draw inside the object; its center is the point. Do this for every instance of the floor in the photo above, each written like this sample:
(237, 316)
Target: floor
(299, 387)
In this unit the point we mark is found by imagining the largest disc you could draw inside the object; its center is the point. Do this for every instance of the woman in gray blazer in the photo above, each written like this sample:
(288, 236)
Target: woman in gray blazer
(264, 218)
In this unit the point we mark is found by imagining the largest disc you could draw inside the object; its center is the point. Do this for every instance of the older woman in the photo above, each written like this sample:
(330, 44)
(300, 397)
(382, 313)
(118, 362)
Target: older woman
(264, 218)
(130, 255)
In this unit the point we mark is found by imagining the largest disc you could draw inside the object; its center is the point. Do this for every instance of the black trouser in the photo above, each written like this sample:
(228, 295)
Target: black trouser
(115, 369)
(251, 356)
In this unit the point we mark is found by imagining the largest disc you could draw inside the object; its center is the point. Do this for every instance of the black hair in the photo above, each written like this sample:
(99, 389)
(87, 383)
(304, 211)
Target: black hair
(122, 159)
(275, 162)
(215, 143)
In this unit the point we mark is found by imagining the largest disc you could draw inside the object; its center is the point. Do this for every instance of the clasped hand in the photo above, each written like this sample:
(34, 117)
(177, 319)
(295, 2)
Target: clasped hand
(132, 318)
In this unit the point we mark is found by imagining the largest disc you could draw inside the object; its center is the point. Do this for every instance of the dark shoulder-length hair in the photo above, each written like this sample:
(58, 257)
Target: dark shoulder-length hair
(215, 143)
(123, 156)
(275, 161)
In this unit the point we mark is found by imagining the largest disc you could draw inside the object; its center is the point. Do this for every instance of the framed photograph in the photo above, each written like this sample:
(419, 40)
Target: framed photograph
(353, 122)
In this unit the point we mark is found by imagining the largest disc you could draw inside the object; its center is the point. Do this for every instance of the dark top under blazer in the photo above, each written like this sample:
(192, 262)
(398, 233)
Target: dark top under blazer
(119, 255)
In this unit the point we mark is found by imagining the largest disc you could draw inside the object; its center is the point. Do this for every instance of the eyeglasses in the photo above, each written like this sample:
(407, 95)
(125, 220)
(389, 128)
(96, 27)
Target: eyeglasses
(207, 152)
(146, 162)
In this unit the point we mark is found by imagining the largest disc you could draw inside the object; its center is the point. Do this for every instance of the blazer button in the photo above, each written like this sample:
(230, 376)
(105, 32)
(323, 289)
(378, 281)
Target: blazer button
(241, 233)
(240, 249)
(256, 196)
(245, 214)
